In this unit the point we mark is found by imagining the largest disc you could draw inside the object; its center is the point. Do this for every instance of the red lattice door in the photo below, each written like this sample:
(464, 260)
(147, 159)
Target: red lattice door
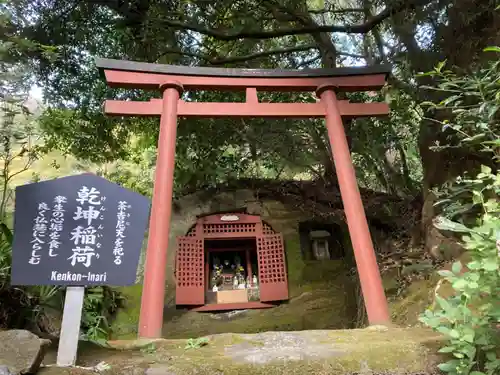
(189, 271)
(272, 268)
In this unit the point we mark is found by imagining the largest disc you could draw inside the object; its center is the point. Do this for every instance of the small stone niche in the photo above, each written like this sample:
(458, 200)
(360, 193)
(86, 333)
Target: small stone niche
(321, 241)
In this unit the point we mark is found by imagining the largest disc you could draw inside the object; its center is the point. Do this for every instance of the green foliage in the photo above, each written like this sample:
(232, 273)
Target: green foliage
(281, 34)
(469, 319)
(386, 150)
(136, 173)
(19, 305)
(88, 136)
(474, 103)
(196, 343)
(20, 148)
(463, 199)
(149, 349)
(100, 304)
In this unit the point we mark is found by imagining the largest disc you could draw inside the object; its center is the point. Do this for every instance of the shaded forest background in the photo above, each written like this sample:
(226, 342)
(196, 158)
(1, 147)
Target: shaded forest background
(52, 44)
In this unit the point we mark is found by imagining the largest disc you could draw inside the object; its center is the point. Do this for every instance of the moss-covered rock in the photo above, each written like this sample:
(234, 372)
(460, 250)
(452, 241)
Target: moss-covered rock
(127, 318)
(406, 308)
(322, 297)
(395, 352)
(325, 300)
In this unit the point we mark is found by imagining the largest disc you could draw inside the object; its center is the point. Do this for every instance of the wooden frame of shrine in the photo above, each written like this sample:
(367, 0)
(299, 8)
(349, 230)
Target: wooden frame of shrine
(253, 237)
(172, 80)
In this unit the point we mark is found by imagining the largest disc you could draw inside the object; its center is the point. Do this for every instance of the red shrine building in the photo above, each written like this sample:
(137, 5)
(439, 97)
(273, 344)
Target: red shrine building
(204, 279)
(230, 261)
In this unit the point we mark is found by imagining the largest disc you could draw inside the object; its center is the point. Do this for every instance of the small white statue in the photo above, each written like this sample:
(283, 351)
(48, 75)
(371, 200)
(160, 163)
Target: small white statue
(235, 282)
(215, 289)
(254, 280)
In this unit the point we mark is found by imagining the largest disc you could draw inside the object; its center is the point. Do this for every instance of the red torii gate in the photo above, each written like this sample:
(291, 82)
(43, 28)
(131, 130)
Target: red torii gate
(172, 80)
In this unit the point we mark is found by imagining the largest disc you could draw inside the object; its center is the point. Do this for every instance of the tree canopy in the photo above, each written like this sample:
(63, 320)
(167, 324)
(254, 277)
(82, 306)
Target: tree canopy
(63, 38)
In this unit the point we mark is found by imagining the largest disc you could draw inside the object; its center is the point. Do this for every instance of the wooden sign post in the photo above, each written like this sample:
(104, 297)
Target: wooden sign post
(78, 231)
(70, 327)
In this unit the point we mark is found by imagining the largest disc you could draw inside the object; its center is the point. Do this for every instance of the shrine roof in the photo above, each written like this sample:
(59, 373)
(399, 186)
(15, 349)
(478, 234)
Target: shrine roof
(142, 67)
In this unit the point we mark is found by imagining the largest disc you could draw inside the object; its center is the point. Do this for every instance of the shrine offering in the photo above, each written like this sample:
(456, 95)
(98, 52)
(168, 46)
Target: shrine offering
(77, 231)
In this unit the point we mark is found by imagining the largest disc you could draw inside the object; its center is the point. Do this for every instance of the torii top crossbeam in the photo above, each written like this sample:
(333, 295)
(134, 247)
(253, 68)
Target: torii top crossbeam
(172, 80)
(129, 74)
(132, 74)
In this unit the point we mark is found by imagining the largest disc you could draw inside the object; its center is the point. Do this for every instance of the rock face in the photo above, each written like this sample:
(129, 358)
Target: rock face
(319, 352)
(4, 370)
(21, 352)
(281, 346)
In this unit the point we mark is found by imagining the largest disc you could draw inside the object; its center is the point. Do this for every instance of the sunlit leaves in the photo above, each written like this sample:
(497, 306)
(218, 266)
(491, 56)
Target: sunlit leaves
(316, 4)
(474, 101)
(468, 318)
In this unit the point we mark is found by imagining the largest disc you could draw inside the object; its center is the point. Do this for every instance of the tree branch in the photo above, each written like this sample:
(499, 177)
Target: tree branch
(362, 28)
(243, 58)
(308, 61)
(353, 55)
(227, 60)
(337, 11)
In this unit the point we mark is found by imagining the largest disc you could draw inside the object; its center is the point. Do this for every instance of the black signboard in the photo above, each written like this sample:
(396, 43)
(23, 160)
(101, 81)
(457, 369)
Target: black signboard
(77, 230)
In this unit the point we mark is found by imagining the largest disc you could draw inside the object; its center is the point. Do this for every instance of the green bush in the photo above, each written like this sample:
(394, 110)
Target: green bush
(469, 319)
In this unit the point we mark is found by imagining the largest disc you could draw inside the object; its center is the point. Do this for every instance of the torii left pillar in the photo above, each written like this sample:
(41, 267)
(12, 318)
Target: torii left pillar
(150, 325)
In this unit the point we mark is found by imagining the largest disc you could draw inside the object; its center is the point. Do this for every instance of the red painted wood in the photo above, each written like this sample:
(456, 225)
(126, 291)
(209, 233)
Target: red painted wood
(207, 272)
(199, 229)
(245, 227)
(151, 316)
(189, 271)
(233, 306)
(229, 236)
(267, 229)
(251, 95)
(225, 250)
(249, 109)
(192, 231)
(127, 79)
(249, 265)
(366, 261)
(272, 268)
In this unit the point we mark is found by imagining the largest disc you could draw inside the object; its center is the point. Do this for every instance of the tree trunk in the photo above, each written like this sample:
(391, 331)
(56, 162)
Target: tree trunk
(479, 27)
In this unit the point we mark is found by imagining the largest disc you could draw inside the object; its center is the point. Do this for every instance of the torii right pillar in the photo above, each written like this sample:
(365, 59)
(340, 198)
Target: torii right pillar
(364, 253)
